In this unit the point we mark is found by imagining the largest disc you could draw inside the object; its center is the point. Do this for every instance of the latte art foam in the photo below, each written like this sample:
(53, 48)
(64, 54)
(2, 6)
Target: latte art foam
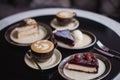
(65, 14)
(42, 46)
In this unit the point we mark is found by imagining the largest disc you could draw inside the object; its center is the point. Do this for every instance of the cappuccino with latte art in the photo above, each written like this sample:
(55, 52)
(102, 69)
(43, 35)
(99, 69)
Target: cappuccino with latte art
(65, 17)
(42, 50)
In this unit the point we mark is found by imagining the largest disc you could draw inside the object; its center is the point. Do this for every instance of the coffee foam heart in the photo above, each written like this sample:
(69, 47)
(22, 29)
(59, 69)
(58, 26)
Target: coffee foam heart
(42, 46)
(65, 14)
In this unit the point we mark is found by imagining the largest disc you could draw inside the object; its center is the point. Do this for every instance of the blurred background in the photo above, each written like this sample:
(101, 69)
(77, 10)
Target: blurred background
(110, 8)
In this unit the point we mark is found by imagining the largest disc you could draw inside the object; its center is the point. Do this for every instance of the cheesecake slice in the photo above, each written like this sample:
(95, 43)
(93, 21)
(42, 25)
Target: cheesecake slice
(64, 36)
(86, 62)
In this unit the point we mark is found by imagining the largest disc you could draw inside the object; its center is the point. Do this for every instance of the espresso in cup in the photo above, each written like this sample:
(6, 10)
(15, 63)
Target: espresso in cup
(42, 50)
(65, 17)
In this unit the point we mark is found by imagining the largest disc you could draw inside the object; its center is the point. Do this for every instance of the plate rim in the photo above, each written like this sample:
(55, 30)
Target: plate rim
(64, 61)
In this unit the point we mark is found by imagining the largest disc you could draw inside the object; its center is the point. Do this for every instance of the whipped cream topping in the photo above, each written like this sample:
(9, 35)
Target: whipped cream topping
(78, 35)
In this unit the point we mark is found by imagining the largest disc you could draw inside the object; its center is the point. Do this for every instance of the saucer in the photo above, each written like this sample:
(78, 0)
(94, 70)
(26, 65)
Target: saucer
(52, 62)
(70, 26)
(89, 39)
(104, 70)
(10, 35)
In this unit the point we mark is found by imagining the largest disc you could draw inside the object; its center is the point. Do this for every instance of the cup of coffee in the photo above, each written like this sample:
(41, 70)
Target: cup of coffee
(65, 17)
(42, 50)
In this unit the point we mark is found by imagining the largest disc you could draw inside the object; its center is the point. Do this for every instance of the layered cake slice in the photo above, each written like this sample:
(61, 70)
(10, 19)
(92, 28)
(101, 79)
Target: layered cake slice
(30, 29)
(86, 62)
(64, 36)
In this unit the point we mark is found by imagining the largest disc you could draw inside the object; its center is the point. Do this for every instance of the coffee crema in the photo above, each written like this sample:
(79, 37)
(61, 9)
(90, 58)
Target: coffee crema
(65, 14)
(42, 46)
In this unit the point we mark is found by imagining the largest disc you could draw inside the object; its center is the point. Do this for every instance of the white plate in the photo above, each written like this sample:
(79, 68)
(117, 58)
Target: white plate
(70, 26)
(44, 33)
(52, 62)
(104, 69)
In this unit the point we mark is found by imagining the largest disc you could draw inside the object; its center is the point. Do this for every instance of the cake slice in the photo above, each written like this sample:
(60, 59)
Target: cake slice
(64, 36)
(86, 62)
(30, 21)
(30, 29)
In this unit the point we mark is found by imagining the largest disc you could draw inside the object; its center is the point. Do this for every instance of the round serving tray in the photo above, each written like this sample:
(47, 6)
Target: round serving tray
(105, 29)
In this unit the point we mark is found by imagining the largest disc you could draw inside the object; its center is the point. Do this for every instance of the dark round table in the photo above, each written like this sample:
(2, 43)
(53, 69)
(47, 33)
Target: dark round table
(12, 56)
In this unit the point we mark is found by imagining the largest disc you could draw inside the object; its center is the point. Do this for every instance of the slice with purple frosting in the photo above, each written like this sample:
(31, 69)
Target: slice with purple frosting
(64, 36)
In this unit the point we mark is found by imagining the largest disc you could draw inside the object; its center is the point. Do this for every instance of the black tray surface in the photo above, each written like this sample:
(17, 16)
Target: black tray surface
(12, 57)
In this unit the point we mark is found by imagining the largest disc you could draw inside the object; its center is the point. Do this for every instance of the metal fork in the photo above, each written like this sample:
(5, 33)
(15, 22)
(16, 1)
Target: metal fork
(103, 47)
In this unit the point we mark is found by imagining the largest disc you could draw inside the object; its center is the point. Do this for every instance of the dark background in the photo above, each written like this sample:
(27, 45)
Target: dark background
(110, 8)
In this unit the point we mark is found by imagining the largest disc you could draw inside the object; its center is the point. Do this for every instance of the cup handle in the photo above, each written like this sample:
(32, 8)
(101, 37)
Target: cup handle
(29, 53)
(33, 58)
(55, 43)
(74, 14)
(54, 40)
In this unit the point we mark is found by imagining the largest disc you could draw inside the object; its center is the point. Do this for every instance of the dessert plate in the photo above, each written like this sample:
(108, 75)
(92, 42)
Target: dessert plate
(89, 39)
(52, 62)
(104, 69)
(71, 26)
(10, 35)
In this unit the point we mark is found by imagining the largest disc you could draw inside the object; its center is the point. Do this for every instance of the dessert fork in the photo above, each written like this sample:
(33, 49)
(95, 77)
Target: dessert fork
(107, 53)
(103, 47)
